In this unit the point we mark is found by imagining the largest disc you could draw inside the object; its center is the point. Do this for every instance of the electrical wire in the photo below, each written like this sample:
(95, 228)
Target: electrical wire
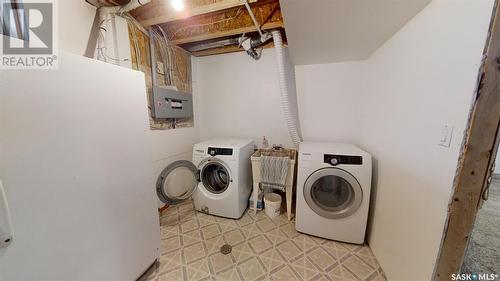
(169, 53)
(162, 43)
(102, 51)
(166, 49)
(135, 27)
(160, 38)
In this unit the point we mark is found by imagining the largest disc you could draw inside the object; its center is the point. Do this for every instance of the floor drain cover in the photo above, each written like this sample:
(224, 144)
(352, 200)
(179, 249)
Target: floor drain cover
(226, 249)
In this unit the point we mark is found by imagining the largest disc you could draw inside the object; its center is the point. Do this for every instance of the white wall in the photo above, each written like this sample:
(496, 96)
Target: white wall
(75, 23)
(497, 164)
(421, 79)
(239, 97)
(328, 99)
(89, 174)
(76, 19)
(172, 145)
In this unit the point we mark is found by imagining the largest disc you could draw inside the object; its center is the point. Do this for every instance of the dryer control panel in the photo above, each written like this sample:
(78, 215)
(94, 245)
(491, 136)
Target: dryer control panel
(335, 160)
(214, 151)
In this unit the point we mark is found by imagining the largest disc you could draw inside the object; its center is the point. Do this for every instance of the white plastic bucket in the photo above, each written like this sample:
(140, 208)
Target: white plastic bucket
(272, 205)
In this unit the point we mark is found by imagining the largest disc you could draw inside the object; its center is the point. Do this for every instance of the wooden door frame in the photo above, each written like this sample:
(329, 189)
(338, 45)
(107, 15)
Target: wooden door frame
(476, 159)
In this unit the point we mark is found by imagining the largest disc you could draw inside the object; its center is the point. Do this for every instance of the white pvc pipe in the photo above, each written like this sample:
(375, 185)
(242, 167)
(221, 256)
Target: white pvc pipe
(291, 119)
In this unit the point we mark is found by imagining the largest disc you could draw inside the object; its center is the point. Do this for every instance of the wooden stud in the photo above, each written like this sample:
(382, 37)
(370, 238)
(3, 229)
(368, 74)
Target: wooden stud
(160, 11)
(476, 161)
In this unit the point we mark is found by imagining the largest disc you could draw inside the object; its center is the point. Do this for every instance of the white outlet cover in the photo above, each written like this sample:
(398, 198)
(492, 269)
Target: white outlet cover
(446, 136)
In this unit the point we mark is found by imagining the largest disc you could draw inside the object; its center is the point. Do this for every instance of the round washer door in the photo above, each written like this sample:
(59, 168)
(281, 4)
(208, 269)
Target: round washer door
(215, 176)
(333, 193)
(177, 182)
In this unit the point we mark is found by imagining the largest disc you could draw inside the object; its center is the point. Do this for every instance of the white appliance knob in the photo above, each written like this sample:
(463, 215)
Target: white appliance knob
(212, 152)
(334, 161)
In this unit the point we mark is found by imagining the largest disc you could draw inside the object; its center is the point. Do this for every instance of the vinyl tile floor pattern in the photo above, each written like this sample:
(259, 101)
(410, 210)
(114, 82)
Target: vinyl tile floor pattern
(262, 249)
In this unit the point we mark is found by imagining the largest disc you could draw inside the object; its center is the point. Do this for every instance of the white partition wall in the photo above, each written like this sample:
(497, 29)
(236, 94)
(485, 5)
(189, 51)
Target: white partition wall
(419, 81)
(77, 171)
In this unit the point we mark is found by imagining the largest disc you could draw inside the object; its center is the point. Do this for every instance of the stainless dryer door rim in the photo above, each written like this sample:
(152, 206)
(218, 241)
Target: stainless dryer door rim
(167, 193)
(348, 207)
(164, 191)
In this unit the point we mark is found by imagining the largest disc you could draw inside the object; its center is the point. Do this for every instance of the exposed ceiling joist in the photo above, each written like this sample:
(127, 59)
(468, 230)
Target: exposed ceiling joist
(229, 22)
(226, 33)
(225, 50)
(160, 11)
(211, 21)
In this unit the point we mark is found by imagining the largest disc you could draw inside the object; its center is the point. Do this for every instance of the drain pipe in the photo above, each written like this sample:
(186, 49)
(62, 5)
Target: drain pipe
(290, 117)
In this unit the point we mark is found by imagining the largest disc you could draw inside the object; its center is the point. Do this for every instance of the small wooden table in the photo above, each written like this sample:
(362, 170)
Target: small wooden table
(292, 154)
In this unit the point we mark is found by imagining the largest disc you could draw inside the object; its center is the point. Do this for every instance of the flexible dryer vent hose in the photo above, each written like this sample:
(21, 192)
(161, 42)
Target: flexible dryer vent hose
(290, 117)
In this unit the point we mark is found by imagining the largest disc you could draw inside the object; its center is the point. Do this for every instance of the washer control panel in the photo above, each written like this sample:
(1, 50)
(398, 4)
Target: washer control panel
(335, 160)
(214, 151)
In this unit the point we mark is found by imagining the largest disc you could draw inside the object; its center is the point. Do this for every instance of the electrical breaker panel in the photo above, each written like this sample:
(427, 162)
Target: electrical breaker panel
(171, 103)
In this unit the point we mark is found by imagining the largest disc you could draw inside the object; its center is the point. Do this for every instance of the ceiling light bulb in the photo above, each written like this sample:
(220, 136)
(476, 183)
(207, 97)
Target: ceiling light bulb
(178, 5)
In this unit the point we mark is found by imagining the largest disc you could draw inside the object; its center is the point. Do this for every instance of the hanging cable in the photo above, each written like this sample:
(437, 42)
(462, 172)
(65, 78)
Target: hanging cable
(252, 16)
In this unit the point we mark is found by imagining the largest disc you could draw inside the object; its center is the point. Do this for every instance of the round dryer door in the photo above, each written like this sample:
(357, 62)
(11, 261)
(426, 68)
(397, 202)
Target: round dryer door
(177, 182)
(333, 193)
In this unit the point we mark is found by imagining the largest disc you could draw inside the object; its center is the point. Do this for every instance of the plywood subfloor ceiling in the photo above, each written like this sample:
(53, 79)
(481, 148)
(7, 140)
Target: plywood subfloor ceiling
(213, 22)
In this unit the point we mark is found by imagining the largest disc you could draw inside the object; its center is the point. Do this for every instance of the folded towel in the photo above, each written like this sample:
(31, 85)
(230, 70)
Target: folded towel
(273, 172)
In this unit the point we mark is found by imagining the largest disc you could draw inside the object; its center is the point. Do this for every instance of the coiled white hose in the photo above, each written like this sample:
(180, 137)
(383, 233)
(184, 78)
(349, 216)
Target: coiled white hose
(290, 118)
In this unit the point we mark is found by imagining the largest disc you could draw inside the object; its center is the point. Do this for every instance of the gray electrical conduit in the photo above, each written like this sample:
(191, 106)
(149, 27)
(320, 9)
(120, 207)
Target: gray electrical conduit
(290, 118)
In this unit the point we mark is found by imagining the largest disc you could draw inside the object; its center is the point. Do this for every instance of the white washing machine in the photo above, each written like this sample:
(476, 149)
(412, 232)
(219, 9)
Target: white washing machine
(219, 179)
(333, 191)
